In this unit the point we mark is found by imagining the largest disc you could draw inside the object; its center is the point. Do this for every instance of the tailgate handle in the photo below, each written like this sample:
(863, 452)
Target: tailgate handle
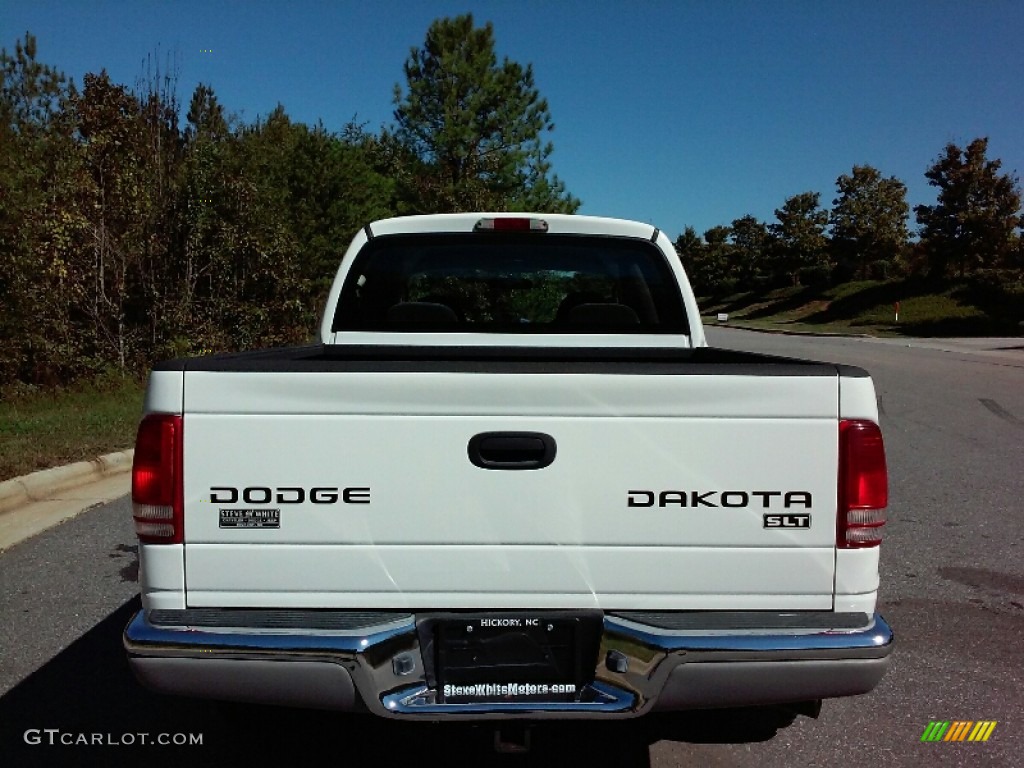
(512, 450)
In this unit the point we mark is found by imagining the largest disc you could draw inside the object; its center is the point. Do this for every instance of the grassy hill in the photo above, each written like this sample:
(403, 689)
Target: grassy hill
(982, 307)
(49, 427)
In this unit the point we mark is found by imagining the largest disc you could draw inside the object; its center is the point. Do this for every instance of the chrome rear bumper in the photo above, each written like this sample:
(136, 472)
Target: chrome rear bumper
(647, 661)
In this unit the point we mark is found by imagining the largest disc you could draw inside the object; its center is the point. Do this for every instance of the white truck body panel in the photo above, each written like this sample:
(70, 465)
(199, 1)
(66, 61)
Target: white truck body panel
(436, 524)
(421, 393)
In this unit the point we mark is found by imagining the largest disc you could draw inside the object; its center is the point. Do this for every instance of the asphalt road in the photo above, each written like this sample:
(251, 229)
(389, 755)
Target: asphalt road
(952, 587)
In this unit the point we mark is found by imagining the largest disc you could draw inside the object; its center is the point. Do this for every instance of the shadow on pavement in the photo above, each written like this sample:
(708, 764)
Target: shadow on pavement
(86, 696)
(725, 726)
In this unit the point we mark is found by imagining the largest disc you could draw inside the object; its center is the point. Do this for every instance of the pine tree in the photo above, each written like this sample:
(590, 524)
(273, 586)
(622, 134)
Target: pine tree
(472, 129)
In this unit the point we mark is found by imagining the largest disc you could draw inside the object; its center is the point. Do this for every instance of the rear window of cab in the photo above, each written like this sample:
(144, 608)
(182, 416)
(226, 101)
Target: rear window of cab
(510, 283)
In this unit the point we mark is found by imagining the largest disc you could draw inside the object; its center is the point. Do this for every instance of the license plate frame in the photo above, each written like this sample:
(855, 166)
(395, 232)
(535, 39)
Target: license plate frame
(513, 657)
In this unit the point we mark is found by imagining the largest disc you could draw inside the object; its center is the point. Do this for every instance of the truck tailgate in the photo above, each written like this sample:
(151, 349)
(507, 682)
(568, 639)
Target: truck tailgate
(356, 489)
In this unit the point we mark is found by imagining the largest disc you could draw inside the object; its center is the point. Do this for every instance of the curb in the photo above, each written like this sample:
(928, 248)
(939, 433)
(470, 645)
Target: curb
(789, 332)
(40, 485)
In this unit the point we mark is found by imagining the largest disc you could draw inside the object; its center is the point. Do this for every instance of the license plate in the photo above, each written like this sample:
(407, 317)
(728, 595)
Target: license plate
(511, 658)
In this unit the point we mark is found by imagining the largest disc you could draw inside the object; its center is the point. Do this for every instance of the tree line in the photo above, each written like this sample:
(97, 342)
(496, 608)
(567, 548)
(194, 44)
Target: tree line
(972, 231)
(129, 234)
(134, 229)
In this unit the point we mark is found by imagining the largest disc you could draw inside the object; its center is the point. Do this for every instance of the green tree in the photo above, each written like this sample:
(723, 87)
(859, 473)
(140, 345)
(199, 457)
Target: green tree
(207, 120)
(37, 168)
(124, 237)
(690, 250)
(113, 197)
(752, 249)
(719, 266)
(869, 223)
(334, 189)
(472, 131)
(200, 281)
(709, 261)
(1017, 255)
(269, 295)
(156, 300)
(972, 223)
(316, 189)
(266, 212)
(802, 252)
(688, 243)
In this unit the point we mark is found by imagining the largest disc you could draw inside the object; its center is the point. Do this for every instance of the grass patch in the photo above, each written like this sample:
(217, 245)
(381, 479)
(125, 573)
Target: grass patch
(48, 428)
(867, 307)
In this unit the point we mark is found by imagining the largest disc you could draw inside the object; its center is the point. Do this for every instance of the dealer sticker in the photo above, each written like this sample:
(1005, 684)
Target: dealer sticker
(250, 518)
(506, 690)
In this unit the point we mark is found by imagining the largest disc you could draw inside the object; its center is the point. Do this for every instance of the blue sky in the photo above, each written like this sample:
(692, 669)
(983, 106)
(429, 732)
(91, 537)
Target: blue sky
(676, 113)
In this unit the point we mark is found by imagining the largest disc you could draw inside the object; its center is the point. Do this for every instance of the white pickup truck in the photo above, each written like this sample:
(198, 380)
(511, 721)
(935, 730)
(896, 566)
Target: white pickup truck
(511, 481)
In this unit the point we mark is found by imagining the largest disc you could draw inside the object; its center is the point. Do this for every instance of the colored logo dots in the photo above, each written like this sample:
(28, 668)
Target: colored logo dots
(958, 730)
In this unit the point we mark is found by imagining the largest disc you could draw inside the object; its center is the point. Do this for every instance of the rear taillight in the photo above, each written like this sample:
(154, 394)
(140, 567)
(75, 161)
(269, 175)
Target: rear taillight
(157, 492)
(863, 485)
